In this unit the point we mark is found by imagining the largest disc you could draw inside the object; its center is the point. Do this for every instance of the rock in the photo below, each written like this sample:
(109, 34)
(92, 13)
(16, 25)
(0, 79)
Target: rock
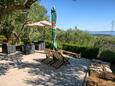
(107, 76)
(100, 62)
(100, 74)
(98, 66)
(108, 69)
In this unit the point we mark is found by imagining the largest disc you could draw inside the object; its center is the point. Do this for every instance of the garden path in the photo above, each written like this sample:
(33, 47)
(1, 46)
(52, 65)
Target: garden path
(32, 72)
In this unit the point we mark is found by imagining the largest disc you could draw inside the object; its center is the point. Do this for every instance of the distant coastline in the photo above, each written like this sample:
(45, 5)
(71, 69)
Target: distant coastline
(106, 33)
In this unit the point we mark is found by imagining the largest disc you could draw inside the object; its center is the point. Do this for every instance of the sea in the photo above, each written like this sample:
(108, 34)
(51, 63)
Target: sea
(105, 33)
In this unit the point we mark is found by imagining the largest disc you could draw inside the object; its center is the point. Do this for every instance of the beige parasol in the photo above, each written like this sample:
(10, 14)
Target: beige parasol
(43, 24)
(46, 23)
(36, 24)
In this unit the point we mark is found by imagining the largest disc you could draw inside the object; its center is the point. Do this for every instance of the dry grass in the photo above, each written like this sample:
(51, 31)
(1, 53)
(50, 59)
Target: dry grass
(95, 81)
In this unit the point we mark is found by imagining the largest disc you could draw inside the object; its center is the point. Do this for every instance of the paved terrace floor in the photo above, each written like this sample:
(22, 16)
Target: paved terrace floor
(32, 72)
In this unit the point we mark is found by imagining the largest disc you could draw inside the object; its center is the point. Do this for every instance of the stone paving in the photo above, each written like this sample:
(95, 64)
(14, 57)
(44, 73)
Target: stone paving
(32, 72)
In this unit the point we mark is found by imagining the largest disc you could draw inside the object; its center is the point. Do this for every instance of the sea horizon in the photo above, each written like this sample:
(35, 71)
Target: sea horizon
(111, 33)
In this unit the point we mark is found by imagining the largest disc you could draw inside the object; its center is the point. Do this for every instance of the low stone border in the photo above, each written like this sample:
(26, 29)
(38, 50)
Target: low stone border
(99, 72)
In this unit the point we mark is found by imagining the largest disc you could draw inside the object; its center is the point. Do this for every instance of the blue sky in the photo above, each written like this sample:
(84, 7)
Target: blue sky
(91, 15)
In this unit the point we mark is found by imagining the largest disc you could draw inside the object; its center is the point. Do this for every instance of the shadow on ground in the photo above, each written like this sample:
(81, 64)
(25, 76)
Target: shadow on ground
(68, 75)
(3, 68)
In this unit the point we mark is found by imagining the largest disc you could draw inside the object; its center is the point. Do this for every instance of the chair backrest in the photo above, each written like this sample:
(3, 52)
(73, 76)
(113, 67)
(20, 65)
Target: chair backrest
(57, 55)
(49, 53)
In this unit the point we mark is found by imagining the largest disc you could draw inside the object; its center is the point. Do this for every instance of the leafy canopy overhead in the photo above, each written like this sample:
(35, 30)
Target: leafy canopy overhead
(7, 6)
(37, 13)
(20, 18)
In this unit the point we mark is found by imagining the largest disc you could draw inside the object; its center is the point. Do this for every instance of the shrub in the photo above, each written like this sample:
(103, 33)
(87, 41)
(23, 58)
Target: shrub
(2, 38)
(48, 44)
(26, 41)
(7, 29)
(87, 52)
(59, 45)
(91, 52)
(108, 55)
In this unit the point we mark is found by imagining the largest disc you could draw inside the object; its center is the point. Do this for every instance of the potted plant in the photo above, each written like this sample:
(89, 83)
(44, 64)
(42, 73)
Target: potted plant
(6, 31)
(28, 47)
(40, 45)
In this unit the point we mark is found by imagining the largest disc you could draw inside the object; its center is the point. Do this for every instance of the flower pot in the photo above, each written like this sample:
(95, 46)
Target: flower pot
(8, 49)
(19, 48)
(29, 49)
(40, 45)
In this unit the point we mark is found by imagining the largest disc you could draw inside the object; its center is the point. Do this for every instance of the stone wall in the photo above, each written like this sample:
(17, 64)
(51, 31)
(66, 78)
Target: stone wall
(100, 74)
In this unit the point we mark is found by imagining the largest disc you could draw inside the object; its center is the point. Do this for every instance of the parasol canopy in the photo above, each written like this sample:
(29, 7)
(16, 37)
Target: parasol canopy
(43, 24)
(46, 23)
(36, 24)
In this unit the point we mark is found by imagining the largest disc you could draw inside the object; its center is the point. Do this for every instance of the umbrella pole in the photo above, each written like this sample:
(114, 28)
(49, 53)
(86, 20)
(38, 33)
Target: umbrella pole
(53, 13)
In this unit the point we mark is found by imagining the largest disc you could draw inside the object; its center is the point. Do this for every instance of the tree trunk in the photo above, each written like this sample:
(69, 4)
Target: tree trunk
(7, 39)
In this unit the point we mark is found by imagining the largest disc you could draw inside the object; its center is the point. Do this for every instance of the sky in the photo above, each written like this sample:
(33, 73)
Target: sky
(87, 15)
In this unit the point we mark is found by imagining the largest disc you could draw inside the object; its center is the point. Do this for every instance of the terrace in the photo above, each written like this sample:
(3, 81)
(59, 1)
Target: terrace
(32, 72)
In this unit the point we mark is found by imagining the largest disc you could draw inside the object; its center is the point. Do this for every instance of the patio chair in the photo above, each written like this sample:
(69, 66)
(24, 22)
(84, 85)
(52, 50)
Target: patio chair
(75, 55)
(49, 56)
(59, 59)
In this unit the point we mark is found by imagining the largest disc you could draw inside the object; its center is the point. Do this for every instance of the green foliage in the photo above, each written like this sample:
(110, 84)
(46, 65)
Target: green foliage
(91, 52)
(72, 39)
(37, 13)
(106, 46)
(108, 55)
(7, 27)
(102, 41)
(35, 36)
(48, 44)
(75, 36)
(19, 19)
(26, 36)
(48, 34)
(59, 45)
(2, 38)
(87, 52)
(10, 2)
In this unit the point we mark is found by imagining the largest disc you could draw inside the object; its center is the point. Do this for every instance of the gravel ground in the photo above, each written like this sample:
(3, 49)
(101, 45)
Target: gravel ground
(32, 72)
